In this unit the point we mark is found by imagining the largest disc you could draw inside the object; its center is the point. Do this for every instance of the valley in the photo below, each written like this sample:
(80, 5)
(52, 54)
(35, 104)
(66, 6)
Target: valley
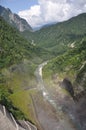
(48, 110)
(43, 73)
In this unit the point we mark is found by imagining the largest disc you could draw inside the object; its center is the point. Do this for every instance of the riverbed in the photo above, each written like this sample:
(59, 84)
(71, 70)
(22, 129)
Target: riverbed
(47, 110)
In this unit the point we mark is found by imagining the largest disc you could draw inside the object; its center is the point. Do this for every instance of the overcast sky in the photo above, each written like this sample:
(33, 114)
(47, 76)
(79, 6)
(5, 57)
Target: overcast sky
(40, 12)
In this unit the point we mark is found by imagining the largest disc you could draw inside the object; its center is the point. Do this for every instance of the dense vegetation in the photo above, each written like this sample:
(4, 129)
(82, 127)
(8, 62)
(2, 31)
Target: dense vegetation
(68, 39)
(71, 65)
(18, 60)
(58, 37)
(13, 49)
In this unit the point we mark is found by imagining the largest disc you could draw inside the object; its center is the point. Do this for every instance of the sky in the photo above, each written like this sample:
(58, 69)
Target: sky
(41, 12)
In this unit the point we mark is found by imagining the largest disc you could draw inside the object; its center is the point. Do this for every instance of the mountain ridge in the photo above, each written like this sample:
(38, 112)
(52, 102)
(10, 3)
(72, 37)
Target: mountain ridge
(60, 35)
(64, 48)
(14, 20)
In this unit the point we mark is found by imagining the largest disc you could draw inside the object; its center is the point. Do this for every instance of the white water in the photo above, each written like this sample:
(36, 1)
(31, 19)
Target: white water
(41, 86)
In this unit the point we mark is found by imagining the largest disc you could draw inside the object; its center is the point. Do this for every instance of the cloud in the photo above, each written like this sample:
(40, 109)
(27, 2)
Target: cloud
(49, 11)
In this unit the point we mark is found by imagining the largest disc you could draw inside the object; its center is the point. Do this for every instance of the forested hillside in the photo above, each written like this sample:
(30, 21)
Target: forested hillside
(63, 46)
(58, 37)
(14, 48)
(18, 61)
(70, 65)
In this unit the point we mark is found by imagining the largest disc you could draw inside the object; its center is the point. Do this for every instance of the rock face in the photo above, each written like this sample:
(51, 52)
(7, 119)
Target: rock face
(68, 86)
(14, 19)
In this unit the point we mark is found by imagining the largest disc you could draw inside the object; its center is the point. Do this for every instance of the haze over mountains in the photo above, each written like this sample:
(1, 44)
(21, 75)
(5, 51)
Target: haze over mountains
(22, 50)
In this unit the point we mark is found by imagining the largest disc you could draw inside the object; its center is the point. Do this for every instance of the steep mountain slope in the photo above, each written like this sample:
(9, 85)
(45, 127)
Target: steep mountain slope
(18, 60)
(70, 65)
(65, 79)
(58, 37)
(14, 19)
(14, 47)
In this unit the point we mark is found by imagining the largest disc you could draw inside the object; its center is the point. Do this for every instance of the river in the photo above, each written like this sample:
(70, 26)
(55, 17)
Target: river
(64, 123)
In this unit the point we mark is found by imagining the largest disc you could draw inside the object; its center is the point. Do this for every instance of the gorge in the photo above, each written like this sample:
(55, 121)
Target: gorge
(43, 73)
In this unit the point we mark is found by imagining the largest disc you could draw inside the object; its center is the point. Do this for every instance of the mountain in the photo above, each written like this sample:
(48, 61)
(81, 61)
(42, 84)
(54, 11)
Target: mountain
(18, 61)
(71, 65)
(14, 20)
(14, 47)
(65, 78)
(47, 25)
(60, 36)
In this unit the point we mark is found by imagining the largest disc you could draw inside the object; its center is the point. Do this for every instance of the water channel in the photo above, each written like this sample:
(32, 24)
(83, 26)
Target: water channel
(64, 123)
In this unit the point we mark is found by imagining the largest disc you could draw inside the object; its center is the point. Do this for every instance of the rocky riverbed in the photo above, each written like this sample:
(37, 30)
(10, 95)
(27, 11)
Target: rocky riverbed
(50, 110)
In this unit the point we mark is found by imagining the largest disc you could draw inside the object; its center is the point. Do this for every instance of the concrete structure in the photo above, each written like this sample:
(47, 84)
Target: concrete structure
(8, 122)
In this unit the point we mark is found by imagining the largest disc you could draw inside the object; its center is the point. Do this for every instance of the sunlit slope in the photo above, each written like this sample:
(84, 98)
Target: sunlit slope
(70, 65)
(18, 61)
(58, 37)
(14, 47)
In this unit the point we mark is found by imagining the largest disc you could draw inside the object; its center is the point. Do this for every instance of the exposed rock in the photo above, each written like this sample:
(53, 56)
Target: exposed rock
(14, 20)
(68, 86)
